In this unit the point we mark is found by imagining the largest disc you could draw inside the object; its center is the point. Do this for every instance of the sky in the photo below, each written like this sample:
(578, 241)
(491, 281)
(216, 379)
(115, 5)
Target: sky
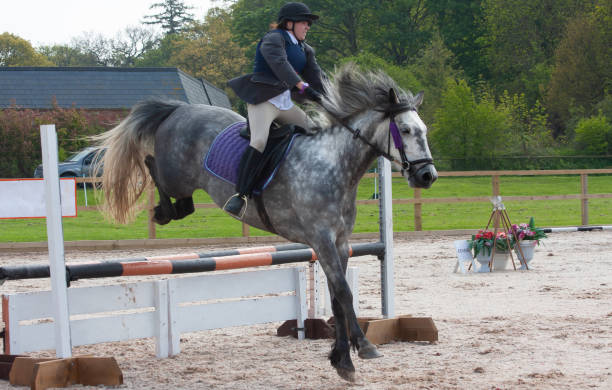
(48, 22)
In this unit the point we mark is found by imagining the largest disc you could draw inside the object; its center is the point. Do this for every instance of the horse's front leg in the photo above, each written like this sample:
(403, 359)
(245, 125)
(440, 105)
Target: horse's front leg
(342, 306)
(366, 350)
(340, 355)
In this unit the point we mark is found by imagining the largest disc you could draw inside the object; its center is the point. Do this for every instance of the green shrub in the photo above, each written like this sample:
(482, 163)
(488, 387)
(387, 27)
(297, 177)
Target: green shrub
(20, 134)
(594, 135)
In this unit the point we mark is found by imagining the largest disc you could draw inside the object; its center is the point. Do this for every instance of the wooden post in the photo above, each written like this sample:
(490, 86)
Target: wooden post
(584, 184)
(418, 208)
(495, 190)
(245, 230)
(55, 239)
(150, 205)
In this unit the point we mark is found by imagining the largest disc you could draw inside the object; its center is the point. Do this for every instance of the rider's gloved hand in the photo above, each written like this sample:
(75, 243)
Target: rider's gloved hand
(313, 94)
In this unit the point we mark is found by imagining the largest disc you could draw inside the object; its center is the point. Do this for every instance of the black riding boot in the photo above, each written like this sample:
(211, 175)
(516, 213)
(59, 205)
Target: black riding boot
(248, 172)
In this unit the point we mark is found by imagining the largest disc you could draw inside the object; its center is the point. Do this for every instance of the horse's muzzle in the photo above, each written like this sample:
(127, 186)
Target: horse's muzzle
(424, 176)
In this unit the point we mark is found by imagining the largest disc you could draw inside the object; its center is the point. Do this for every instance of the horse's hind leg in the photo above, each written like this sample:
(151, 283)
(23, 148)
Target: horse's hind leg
(165, 211)
(183, 207)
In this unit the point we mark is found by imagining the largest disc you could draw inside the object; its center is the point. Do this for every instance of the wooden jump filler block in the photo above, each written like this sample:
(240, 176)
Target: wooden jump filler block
(402, 328)
(42, 374)
(6, 362)
(377, 330)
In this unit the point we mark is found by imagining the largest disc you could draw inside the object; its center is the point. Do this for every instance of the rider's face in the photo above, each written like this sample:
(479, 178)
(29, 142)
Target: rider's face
(300, 29)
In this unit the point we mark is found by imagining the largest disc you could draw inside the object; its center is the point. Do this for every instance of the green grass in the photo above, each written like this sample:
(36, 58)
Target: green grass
(90, 225)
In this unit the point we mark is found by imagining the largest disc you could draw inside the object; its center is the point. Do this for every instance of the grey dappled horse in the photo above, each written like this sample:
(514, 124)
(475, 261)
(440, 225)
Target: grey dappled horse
(312, 198)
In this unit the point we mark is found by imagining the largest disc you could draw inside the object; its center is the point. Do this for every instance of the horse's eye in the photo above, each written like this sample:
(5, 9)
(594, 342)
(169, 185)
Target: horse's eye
(406, 130)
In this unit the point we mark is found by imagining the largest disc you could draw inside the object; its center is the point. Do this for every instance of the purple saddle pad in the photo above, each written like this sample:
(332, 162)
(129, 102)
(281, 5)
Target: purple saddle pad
(225, 152)
(224, 156)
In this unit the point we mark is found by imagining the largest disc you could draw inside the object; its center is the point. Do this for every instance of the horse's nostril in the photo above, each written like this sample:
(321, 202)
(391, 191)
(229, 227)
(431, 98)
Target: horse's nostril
(426, 177)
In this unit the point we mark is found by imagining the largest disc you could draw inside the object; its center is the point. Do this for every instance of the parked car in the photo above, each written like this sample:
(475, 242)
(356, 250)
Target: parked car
(80, 164)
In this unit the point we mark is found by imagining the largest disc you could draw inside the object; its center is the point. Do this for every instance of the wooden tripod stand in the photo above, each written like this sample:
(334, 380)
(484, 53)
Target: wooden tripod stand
(498, 214)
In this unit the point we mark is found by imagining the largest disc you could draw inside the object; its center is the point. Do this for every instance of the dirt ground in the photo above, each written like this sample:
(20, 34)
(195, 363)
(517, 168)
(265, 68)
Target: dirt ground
(546, 328)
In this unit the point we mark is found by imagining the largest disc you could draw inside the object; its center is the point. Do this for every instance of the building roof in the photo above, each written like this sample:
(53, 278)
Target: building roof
(101, 87)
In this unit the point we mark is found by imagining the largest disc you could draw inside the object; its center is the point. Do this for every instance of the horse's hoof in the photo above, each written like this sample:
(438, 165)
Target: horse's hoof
(160, 221)
(369, 351)
(159, 217)
(345, 374)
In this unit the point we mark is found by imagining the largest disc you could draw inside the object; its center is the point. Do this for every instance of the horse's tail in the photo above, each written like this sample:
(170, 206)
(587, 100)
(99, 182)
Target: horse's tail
(125, 147)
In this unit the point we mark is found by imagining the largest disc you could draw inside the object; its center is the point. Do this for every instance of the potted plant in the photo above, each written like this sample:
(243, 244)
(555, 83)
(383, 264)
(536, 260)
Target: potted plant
(526, 236)
(482, 245)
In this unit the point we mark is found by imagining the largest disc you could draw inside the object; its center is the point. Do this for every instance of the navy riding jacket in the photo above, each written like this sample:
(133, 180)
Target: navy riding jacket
(279, 65)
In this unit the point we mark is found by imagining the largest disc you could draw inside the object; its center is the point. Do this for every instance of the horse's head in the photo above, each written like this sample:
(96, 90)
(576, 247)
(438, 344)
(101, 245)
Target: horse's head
(357, 99)
(409, 135)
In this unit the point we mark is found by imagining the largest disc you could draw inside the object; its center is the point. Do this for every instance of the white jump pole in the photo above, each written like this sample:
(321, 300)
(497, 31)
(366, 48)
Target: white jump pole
(55, 239)
(386, 236)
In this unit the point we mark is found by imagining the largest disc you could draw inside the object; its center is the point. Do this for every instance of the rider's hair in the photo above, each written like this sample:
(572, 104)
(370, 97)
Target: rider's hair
(282, 25)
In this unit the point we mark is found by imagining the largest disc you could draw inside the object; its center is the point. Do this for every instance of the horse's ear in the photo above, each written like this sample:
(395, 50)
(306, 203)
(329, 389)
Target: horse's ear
(418, 99)
(393, 96)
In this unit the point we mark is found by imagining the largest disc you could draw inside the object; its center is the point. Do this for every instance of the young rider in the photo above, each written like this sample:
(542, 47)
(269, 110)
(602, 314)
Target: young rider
(285, 68)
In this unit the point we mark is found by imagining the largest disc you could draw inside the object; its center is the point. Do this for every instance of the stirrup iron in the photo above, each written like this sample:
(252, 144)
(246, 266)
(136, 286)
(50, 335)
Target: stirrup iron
(240, 215)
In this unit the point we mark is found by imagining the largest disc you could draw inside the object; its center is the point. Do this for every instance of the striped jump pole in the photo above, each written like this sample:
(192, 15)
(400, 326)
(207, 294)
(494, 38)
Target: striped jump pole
(576, 229)
(178, 266)
(230, 252)
(42, 270)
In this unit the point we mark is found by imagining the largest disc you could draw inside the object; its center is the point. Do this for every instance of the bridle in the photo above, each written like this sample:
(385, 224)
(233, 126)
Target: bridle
(394, 133)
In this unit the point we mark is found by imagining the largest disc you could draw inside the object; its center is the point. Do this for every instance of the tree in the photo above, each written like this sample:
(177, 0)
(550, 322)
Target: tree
(528, 130)
(207, 50)
(346, 27)
(398, 39)
(95, 46)
(582, 73)
(460, 23)
(124, 50)
(521, 37)
(173, 17)
(338, 31)
(467, 129)
(162, 54)
(16, 51)
(433, 68)
(251, 19)
(131, 44)
(65, 55)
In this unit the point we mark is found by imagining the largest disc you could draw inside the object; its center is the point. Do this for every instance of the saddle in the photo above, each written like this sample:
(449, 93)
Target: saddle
(226, 150)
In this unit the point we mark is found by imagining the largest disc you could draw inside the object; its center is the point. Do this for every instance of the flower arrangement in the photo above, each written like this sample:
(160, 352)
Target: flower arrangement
(483, 241)
(526, 232)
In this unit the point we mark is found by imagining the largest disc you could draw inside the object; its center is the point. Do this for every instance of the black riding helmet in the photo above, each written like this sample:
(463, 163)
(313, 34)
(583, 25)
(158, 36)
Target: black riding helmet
(296, 12)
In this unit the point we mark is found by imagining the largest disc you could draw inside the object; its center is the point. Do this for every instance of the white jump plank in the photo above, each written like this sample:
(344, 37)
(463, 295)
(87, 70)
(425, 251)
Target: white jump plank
(236, 313)
(233, 285)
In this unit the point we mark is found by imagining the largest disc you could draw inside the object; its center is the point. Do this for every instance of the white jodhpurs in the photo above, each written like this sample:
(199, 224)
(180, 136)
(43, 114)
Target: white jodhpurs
(261, 116)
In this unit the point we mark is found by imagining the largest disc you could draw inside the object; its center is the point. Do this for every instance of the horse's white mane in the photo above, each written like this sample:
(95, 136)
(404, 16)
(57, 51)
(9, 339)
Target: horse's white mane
(351, 90)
